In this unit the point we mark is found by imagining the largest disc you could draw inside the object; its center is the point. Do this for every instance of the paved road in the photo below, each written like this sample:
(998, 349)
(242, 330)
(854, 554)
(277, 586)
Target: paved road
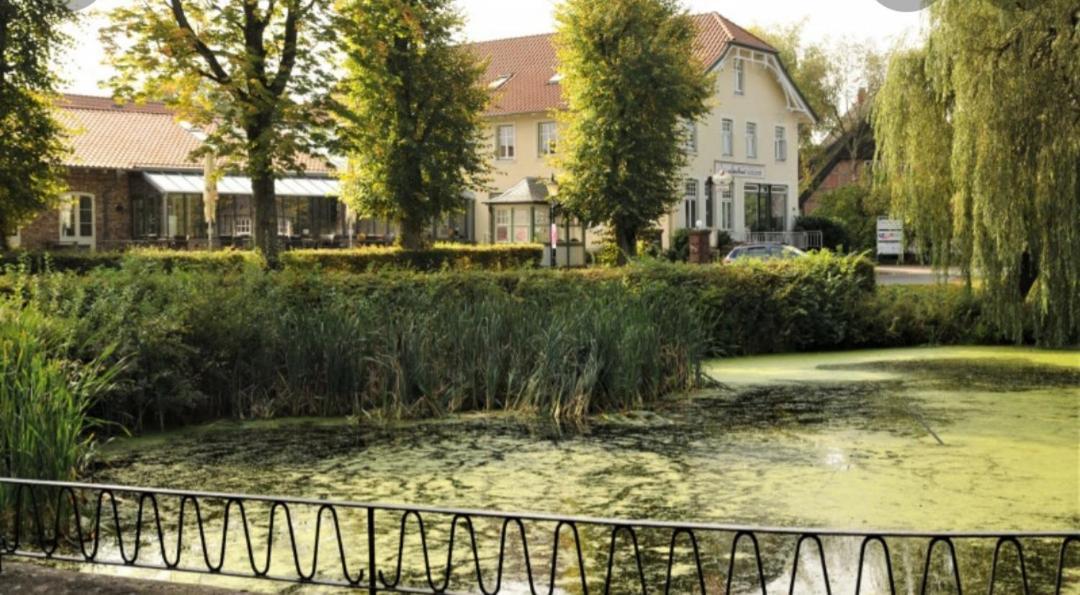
(22, 577)
(912, 275)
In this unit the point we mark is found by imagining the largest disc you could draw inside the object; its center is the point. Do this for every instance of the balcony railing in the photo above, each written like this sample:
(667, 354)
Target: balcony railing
(393, 548)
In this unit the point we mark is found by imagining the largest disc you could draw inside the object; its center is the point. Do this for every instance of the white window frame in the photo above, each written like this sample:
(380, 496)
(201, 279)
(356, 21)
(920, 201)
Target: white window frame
(547, 138)
(780, 145)
(727, 137)
(690, 201)
(504, 218)
(740, 76)
(504, 151)
(690, 142)
(751, 140)
(71, 206)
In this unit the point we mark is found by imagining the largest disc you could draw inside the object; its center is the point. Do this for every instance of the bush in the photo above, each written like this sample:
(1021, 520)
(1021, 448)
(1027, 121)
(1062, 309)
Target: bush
(359, 260)
(833, 235)
(203, 345)
(680, 246)
(440, 257)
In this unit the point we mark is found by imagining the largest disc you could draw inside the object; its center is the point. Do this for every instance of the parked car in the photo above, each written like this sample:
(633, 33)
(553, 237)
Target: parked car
(763, 252)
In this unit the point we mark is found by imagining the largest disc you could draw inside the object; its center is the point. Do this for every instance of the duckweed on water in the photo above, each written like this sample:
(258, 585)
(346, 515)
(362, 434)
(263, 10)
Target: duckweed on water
(851, 452)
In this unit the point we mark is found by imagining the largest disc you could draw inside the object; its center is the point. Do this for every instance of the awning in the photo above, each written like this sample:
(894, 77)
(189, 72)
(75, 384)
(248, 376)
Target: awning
(194, 184)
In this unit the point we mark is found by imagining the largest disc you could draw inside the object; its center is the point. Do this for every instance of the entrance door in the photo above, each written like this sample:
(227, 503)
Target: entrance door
(77, 220)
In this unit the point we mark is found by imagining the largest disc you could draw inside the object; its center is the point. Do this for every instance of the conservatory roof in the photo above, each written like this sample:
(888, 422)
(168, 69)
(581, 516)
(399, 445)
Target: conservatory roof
(176, 183)
(527, 191)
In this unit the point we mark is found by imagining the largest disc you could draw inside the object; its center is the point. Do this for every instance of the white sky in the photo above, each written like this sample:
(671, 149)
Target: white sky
(489, 19)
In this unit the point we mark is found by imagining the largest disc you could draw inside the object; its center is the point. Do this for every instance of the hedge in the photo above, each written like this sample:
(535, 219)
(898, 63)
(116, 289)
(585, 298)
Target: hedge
(357, 260)
(439, 257)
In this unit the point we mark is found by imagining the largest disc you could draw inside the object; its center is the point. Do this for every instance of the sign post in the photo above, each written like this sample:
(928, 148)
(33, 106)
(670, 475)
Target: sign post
(890, 238)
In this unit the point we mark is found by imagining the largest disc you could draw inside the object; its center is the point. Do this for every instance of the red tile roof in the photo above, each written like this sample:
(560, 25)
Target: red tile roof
(530, 62)
(104, 134)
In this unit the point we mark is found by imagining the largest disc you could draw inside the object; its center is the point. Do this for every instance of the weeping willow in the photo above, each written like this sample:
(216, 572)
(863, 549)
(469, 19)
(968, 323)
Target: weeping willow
(978, 137)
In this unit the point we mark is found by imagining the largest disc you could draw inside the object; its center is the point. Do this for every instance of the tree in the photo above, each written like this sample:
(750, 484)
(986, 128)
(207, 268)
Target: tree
(32, 144)
(856, 209)
(413, 105)
(250, 73)
(979, 138)
(630, 83)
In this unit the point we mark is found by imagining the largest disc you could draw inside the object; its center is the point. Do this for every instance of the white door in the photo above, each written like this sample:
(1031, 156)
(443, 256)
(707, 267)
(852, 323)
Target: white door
(77, 220)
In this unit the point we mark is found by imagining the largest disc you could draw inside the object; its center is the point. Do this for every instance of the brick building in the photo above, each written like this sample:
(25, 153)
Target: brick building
(845, 161)
(131, 181)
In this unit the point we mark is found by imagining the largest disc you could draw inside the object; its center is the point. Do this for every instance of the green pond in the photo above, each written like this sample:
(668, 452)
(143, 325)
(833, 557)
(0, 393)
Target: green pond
(934, 439)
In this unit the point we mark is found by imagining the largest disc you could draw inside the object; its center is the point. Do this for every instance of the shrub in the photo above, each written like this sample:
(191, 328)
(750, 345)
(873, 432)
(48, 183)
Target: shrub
(440, 257)
(680, 246)
(833, 235)
(84, 262)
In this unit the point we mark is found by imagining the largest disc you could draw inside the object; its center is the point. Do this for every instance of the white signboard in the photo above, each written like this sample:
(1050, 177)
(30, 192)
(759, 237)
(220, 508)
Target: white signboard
(742, 170)
(890, 237)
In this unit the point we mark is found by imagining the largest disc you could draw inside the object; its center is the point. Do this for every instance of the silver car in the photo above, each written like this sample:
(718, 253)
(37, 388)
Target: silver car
(763, 252)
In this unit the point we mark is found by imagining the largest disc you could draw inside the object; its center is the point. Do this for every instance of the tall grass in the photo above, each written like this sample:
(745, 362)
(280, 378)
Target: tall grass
(45, 430)
(203, 345)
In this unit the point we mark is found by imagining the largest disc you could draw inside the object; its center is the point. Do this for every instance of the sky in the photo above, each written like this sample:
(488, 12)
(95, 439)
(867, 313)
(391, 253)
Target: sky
(84, 70)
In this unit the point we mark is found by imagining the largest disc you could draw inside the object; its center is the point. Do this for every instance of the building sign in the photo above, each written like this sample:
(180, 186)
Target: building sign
(890, 237)
(741, 170)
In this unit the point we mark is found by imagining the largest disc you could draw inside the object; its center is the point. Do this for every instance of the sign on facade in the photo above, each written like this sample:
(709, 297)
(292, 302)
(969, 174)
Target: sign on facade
(742, 170)
(890, 237)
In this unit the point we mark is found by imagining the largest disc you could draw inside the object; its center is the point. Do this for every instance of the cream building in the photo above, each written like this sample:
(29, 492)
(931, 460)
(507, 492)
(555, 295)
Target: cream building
(751, 134)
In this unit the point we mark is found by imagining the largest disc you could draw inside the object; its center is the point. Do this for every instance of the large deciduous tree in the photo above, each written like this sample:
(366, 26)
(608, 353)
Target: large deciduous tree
(979, 138)
(250, 73)
(32, 143)
(412, 112)
(630, 82)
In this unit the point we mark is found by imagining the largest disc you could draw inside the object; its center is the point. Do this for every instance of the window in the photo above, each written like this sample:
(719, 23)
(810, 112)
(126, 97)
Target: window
(242, 226)
(740, 77)
(726, 209)
(690, 137)
(502, 80)
(710, 218)
(766, 207)
(781, 143)
(77, 219)
(522, 224)
(547, 138)
(504, 142)
(751, 140)
(541, 225)
(502, 225)
(690, 195)
(727, 128)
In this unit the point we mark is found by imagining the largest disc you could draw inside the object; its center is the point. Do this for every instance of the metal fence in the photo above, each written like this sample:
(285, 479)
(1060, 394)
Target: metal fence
(803, 240)
(391, 548)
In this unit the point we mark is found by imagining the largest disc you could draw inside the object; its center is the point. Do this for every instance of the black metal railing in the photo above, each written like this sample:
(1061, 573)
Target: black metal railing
(392, 548)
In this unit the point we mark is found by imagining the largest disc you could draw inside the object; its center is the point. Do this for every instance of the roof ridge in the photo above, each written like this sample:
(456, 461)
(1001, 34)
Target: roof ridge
(512, 38)
(727, 24)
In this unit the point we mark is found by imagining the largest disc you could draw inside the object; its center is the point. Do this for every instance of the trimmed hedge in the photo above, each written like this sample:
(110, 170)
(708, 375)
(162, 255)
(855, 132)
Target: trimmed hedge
(440, 257)
(358, 260)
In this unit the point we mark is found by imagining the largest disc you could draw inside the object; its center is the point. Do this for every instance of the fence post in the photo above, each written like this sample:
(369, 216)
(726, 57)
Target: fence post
(373, 587)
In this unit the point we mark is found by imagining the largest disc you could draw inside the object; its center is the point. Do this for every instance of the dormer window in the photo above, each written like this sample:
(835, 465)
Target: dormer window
(555, 78)
(499, 82)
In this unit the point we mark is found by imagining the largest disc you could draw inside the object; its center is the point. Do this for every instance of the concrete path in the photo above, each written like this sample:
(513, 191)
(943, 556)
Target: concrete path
(23, 577)
(912, 275)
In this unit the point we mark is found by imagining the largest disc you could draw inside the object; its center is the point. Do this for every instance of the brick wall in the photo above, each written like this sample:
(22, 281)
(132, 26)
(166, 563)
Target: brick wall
(843, 174)
(111, 190)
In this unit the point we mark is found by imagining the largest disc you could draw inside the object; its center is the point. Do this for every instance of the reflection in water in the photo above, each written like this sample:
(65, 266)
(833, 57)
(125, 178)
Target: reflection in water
(931, 439)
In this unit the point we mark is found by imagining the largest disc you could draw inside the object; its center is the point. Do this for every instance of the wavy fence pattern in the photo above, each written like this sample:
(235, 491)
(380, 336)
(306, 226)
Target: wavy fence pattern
(536, 553)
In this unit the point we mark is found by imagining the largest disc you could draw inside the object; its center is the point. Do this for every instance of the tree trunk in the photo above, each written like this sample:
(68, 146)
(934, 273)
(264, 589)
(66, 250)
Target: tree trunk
(1029, 273)
(412, 234)
(626, 240)
(266, 228)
